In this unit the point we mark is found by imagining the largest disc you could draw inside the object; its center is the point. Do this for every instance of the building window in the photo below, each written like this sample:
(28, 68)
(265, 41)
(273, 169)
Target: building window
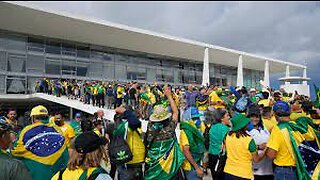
(35, 63)
(53, 66)
(53, 47)
(16, 62)
(35, 44)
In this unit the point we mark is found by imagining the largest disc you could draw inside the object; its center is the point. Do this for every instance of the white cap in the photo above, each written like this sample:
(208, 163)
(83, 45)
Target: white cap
(252, 90)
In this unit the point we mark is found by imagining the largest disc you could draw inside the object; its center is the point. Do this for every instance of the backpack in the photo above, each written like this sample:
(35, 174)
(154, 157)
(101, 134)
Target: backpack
(206, 136)
(119, 150)
(241, 104)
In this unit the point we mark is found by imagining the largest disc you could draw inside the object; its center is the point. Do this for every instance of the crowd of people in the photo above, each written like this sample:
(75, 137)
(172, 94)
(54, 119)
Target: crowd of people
(232, 132)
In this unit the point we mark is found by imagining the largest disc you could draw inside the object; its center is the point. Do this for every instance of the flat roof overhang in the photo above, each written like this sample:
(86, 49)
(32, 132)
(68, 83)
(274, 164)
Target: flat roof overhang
(26, 18)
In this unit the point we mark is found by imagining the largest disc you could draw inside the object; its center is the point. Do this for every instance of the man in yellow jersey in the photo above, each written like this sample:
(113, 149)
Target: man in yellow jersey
(282, 146)
(131, 130)
(67, 130)
(269, 121)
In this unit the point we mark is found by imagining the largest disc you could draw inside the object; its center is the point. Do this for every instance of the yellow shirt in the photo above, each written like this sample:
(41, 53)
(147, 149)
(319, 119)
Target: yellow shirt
(269, 123)
(75, 174)
(67, 132)
(295, 116)
(184, 142)
(280, 141)
(239, 157)
(264, 102)
(11, 122)
(215, 98)
(120, 91)
(136, 146)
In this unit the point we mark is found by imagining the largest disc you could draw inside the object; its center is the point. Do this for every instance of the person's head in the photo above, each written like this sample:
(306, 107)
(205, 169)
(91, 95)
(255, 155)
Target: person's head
(86, 125)
(202, 90)
(255, 116)
(5, 134)
(265, 95)
(100, 113)
(281, 111)
(307, 106)
(38, 114)
(239, 125)
(77, 117)
(12, 114)
(89, 151)
(221, 116)
(252, 92)
(98, 124)
(59, 119)
(159, 114)
(277, 96)
(195, 115)
(267, 112)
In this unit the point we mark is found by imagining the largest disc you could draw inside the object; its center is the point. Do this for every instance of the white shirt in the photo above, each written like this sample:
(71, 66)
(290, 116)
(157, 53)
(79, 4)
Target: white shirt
(264, 167)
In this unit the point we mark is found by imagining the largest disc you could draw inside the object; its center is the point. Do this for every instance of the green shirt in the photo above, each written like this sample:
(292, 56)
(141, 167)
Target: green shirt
(76, 127)
(217, 134)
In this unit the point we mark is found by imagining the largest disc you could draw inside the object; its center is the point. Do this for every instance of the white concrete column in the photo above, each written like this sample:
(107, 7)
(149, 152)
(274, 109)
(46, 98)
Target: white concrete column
(240, 72)
(205, 72)
(266, 73)
(287, 73)
(305, 76)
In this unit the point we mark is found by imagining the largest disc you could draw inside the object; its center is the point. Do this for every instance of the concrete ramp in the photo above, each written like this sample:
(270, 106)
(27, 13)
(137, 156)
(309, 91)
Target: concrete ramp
(75, 104)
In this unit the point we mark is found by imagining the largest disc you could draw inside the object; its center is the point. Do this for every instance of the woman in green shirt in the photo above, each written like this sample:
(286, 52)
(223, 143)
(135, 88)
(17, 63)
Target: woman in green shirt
(218, 131)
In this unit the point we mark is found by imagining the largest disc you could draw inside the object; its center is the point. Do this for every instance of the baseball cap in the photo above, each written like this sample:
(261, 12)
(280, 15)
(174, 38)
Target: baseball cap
(88, 142)
(281, 108)
(78, 114)
(39, 110)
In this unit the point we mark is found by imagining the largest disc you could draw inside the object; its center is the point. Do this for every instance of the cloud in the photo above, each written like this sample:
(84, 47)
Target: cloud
(284, 30)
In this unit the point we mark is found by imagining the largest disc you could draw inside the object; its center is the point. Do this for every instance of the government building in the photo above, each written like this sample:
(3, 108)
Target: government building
(37, 43)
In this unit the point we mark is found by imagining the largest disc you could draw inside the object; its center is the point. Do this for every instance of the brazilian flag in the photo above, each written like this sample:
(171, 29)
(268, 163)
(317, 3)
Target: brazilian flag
(317, 92)
(42, 148)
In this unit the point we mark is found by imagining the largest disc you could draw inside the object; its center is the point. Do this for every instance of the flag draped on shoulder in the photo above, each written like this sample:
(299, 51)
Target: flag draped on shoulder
(42, 148)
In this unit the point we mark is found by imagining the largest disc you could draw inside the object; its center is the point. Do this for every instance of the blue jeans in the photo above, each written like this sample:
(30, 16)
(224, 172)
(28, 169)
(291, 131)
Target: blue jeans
(281, 173)
(191, 175)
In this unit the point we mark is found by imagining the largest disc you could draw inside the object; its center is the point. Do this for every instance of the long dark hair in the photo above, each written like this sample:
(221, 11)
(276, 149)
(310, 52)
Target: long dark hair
(239, 133)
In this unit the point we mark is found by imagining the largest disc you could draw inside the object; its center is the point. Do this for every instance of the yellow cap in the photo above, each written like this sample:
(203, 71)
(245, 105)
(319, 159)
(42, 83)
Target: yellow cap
(39, 110)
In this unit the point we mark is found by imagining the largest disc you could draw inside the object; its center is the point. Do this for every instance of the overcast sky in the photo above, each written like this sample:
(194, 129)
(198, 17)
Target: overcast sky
(285, 30)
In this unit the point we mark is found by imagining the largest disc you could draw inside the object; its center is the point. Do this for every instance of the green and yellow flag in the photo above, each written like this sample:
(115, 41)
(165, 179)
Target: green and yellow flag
(164, 159)
(42, 149)
(317, 92)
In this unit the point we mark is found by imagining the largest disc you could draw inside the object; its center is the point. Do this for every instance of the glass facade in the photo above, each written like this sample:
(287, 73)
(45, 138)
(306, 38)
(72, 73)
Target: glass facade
(24, 59)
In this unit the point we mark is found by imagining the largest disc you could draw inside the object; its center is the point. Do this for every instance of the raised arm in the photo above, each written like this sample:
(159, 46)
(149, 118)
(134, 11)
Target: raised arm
(175, 112)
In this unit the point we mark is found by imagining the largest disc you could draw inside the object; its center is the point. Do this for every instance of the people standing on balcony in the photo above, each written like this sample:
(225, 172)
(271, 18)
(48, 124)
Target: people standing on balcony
(101, 93)
(120, 94)
(110, 96)
(87, 92)
(133, 95)
(58, 88)
(94, 90)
